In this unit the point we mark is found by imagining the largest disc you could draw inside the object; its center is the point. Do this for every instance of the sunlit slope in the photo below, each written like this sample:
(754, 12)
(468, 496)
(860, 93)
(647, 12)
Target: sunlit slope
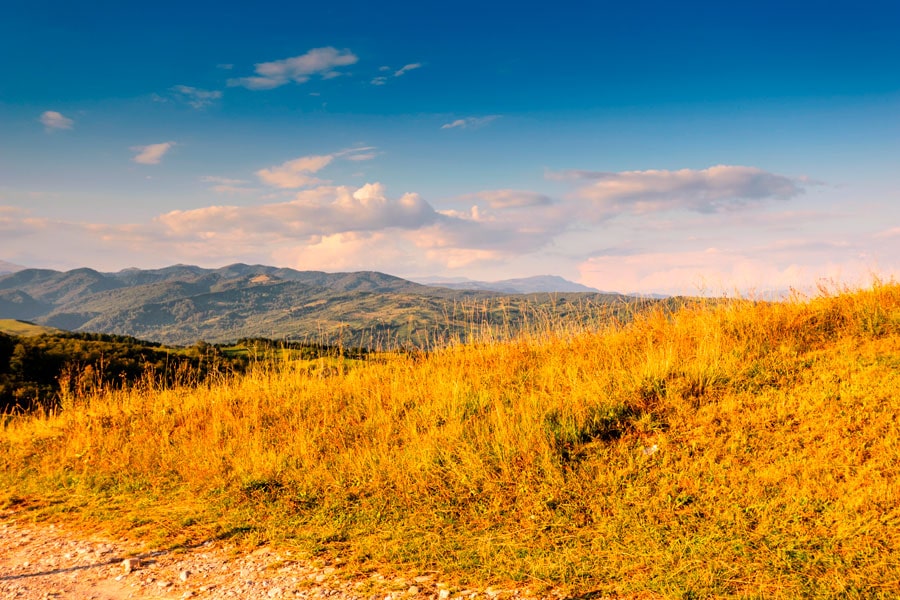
(23, 328)
(729, 449)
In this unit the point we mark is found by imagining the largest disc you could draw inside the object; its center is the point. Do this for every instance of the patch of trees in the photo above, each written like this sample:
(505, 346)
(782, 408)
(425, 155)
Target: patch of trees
(36, 372)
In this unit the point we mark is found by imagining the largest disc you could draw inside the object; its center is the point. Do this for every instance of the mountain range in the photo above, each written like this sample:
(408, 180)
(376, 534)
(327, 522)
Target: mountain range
(525, 285)
(183, 304)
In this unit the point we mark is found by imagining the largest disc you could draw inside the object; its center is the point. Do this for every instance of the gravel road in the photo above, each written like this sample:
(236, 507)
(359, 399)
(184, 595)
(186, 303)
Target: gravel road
(39, 562)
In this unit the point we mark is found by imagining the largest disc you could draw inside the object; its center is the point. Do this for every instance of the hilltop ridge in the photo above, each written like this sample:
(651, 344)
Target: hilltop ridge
(181, 304)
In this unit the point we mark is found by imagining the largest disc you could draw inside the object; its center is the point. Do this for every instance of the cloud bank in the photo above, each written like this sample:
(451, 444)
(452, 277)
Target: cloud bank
(716, 189)
(624, 231)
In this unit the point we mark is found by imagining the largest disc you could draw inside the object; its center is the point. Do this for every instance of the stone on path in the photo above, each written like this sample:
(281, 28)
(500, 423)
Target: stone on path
(130, 564)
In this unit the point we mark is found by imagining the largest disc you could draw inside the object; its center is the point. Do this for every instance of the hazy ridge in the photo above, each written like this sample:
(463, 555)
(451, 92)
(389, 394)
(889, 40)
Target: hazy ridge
(181, 304)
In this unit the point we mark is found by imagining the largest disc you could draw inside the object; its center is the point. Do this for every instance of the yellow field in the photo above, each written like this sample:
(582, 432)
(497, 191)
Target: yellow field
(726, 449)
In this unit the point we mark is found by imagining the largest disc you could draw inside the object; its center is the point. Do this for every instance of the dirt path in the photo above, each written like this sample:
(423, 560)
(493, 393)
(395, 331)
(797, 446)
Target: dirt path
(39, 562)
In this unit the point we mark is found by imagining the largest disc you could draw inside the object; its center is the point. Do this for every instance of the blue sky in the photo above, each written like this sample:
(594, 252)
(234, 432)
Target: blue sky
(640, 146)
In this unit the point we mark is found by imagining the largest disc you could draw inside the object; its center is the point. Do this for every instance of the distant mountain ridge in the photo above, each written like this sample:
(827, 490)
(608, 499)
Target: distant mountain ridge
(182, 304)
(522, 285)
(8, 267)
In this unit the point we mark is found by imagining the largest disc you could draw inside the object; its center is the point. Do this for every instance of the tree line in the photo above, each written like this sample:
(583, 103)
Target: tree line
(37, 371)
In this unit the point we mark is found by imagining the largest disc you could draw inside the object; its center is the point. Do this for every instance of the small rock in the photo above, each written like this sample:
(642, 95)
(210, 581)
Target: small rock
(184, 575)
(413, 590)
(274, 592)
(163, 584)
(444, 594)
(188, 594)
(130, 564)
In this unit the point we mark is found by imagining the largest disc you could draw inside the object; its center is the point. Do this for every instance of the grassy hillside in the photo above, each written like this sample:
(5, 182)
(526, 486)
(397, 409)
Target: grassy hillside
(734, 449)
(23, 328)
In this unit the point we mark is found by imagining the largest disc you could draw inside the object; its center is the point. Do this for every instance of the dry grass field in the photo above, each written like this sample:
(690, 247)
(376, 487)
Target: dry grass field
(721, 449)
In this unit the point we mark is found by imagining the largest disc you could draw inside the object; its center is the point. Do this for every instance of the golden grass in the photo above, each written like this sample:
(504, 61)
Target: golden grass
(23, 328)
(724, 449)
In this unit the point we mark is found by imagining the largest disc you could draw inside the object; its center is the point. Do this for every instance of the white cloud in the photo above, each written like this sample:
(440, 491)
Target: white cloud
(223, 180)
(506, 198)
(295, 173)
(298, 173)
(740, 270)
(325, 210)
(299, 69)
(196, 97)
(470, 122)
(362, 157)
(406, 69)
(383, 79)
(888, 233)
(151, 154)
(715, 189)
(226, 185)
(52, 120)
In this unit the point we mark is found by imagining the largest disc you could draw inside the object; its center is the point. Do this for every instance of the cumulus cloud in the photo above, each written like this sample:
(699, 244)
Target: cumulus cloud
(52, 120)
(299, 69)
(325, 210)
(711, 190)
(470, 122)
(151, 154)
(195, 96)
(379, 80)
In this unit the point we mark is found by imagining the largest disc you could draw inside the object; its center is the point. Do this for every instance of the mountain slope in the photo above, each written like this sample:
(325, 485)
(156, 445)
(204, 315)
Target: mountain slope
(523, 285)
(8, 267)
(183, 304)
